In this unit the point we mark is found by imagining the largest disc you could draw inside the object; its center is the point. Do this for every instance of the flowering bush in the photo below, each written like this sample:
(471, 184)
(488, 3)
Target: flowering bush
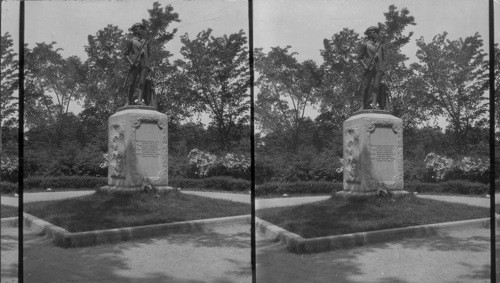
(9, 168)
(201, 161)
(442, 168)
(204, 164)
(438, 166)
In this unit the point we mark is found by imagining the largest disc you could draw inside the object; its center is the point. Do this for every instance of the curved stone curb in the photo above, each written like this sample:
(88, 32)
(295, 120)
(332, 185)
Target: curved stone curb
(61, 237)
(297, 244)
(10, 221)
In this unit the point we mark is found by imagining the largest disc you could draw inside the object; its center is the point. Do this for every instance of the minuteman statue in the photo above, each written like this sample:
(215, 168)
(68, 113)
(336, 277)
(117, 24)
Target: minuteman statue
(371, 56)
(137, 55)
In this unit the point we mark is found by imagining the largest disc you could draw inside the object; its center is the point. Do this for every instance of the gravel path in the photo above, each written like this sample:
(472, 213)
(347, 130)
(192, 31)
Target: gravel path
(458, 256)
(43, 196)
(221, 255)
(474, 201)
(244, 198)
(9, 253)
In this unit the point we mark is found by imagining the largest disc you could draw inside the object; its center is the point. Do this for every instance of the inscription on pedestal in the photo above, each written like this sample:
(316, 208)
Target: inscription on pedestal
(383, 154)
(148, 149)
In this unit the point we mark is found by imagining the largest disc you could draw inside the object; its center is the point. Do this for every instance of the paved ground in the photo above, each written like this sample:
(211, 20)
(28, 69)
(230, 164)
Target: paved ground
(475, 201)
(244, 198)
(288, 201)
(9, 254)
(43, 196)
(221, 255)
(459, 256)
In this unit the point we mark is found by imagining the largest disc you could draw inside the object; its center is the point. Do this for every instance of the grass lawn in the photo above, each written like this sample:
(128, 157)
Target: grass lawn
(339, 215)
(8, 211)
(106, 210)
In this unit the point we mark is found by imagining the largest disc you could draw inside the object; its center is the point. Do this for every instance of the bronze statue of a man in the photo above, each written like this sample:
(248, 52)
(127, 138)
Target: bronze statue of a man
(137, 55)
(371, 56)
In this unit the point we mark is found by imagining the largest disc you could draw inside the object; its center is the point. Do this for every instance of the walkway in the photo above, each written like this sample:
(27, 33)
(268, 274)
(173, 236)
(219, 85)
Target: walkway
(9, 253)
(244, 198)
(260, 203)
(43, 196)
(458, 256)
(221, 255)
(474, 201)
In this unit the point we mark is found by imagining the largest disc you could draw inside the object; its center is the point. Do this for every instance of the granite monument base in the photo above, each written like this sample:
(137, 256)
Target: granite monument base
(373, 153)
(137, 149)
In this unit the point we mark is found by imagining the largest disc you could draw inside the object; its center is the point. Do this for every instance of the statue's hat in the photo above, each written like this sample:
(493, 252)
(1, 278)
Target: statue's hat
(374, 28)
(137, 25)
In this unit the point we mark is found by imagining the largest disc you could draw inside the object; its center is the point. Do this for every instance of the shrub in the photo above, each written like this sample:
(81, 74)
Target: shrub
(178, 166)
(441, 168)
(264, 171)
(204, 164)
(415, 171)
(91, 161)
(226, 184)
(9, 169)
(309, 187)
(450, 187)
(422, 187)
(465, 187)
(64, 182)
(8, 187)
(186, 183)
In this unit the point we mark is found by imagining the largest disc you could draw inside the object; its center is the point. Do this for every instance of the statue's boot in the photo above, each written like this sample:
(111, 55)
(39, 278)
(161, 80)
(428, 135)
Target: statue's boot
(139, 97)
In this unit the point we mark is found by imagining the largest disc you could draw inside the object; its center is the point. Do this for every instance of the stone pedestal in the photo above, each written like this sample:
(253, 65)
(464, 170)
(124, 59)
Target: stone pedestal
(373, 153)
(137, 148)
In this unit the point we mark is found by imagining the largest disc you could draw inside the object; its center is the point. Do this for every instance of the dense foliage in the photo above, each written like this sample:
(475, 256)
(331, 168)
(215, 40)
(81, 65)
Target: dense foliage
(448, 82)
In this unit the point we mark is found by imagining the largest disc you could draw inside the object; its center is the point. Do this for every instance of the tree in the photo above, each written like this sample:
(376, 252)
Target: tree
(215, 77)
(9, 101)
(106, 72)
(286, 88)
(51, 84)
(497, 86)
(453, 78)
(339, 95)
(9, 73)
(107, 69)
(342, 77)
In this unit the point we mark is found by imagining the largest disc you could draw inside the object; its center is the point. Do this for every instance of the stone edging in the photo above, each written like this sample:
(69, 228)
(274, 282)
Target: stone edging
(61, 237)
(296, 244)
(10, 221)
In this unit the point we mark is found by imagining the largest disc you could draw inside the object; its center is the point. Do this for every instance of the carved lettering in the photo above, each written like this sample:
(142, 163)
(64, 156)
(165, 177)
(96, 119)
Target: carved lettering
(383, 153)
(147, 148)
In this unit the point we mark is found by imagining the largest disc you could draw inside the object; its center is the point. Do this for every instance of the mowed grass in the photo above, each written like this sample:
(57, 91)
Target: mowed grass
(338, 215)
(8, 211)
(106, 210)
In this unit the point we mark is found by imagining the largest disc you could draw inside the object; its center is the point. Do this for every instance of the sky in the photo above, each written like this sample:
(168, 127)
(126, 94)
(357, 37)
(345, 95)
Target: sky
(298, 23)
(304, 24)
(70, 22)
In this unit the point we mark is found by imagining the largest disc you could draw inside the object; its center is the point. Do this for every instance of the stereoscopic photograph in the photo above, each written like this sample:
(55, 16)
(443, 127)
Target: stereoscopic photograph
(372, 151)
(136, 141)
(249, 141)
